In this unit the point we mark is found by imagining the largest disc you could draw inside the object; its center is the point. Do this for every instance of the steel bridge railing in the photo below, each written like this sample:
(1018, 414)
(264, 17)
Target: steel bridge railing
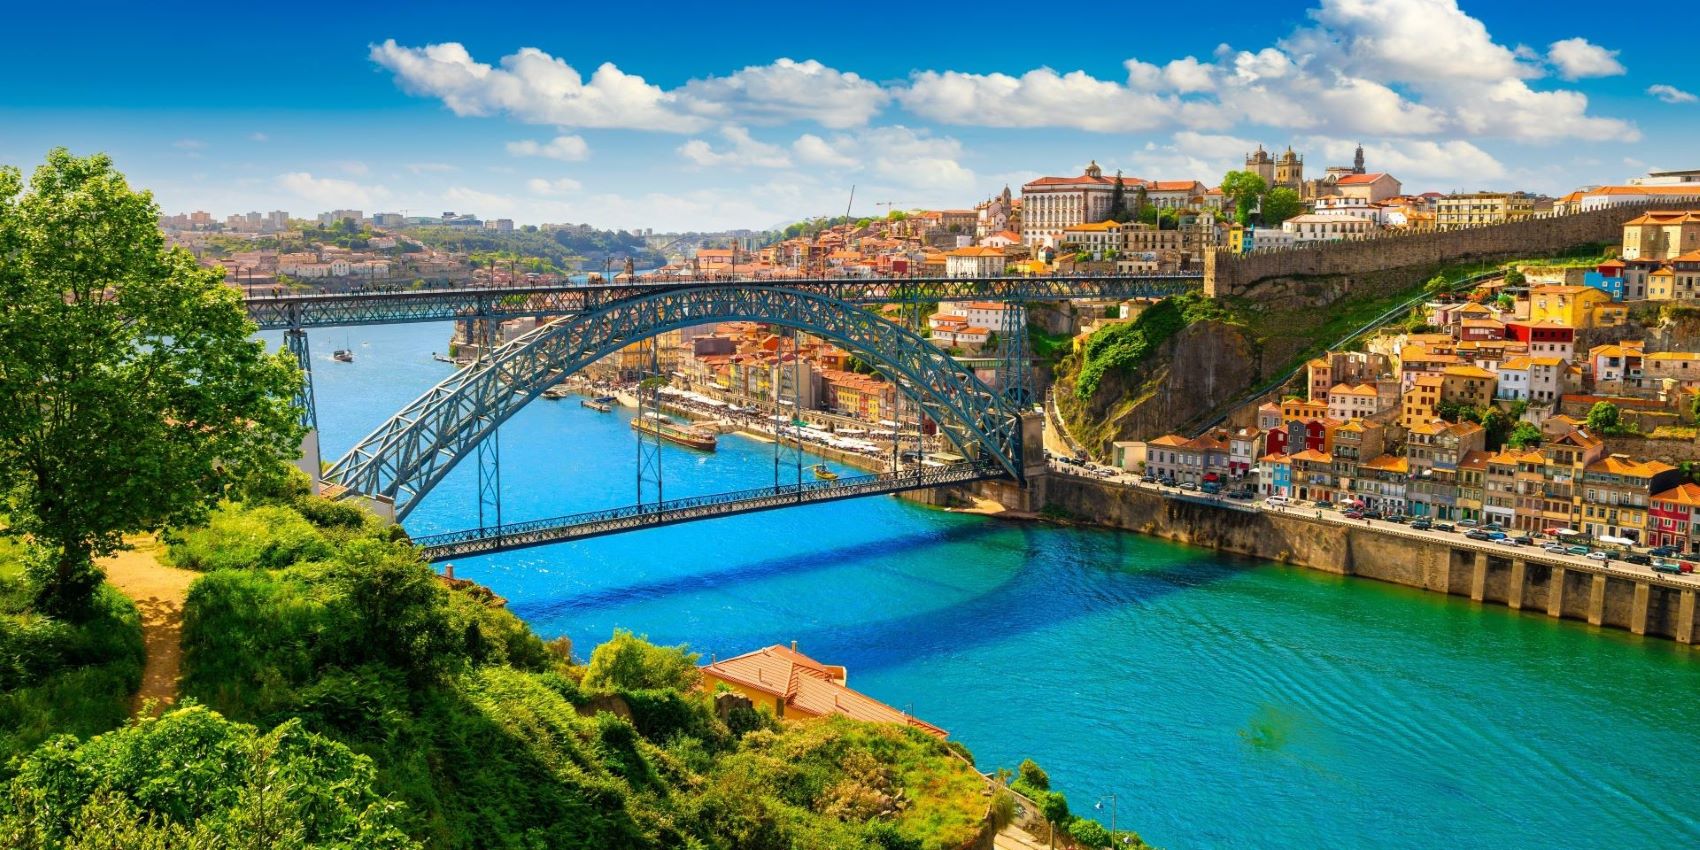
(520, 535)
(277, 312)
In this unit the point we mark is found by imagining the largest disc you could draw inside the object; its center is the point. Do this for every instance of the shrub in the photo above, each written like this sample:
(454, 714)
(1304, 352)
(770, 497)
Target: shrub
(1089, 833)
(192, 778)
(1030, 774)
(236, 537)
(630, 663)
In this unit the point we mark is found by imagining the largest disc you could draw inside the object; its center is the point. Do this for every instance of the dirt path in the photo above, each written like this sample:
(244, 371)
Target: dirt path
(158, 591)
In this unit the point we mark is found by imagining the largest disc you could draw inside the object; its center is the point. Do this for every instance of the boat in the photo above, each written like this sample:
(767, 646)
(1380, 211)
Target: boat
(684, 435)
(823, 473)
(555, 392)
(343, 355)
(597, 405)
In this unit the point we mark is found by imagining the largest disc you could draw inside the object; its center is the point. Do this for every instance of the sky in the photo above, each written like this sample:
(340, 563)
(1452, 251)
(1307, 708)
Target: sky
(697, 116)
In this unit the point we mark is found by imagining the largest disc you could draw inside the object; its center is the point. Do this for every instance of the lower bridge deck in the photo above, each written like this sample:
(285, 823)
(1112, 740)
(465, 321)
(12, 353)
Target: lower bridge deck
(541, 532)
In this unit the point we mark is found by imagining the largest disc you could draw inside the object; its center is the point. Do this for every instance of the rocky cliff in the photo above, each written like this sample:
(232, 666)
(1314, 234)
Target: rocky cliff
(1201, 366)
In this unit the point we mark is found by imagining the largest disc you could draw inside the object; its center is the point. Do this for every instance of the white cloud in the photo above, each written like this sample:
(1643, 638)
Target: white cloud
(189, 144)
(558, 186)
(258, 137)
(786, 91)
(564, 148)
(532, 86)
(1044, 98)
(1576, 58)
(1411, 160)
(331, 191)
(1670, 94)
(1198, 156)
(744, 151)
(916, 159)
(811, 149)
(353, 167)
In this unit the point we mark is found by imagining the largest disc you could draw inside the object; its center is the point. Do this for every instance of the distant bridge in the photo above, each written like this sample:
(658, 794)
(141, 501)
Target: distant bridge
(522, 535)
(295, 312)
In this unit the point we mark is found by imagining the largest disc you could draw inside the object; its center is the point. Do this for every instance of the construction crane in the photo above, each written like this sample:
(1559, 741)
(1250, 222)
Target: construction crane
(888, 206)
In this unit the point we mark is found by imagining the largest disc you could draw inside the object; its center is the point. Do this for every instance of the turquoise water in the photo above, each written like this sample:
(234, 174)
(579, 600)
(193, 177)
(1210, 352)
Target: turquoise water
(1226, 703)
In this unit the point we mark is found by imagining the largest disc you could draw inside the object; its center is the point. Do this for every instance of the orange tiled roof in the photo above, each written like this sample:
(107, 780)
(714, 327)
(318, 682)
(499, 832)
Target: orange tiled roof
(1681, 494)
(1360, 179)
(809, 686)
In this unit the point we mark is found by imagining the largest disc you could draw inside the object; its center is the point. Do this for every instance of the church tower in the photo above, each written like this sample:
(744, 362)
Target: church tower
(1261, 164)
(1289, 170)
(1358, 161)
(1093, 170)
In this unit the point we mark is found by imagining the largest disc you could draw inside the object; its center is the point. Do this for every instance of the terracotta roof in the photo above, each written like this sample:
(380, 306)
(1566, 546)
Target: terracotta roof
(1622, 465)
(1360, 179)
(809, 686)
(1313, 456)
(1682, 494)
(1387, 463)
(1467, 372)
(1474, 460)
(1085, 180)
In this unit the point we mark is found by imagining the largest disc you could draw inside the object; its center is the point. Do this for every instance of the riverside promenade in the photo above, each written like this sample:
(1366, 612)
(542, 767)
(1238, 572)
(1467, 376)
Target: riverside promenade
(1609, 594)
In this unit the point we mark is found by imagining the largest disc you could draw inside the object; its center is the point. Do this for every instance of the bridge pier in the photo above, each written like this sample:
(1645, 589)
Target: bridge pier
(1478, 579)
(1638, 608)
(1685, 617)
(295, 340)
(1514, 593)
(1597, 601)
(1555, 593)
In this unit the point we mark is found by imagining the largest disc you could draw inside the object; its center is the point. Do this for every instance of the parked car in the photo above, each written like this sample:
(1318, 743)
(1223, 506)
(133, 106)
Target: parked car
(1211, 487)
(1148, 479)
(1242, 495)
(1638, 558)
(1276, 501)
(1576, 550)
(1468, 523)
(1597, 556)
(1506, 541)
(1494, 526)
(1372, 514)
(1524, 540)
(1554, 547)
(1353, 514)
(1421, 525)
(1398, 518)
(1665, 552)
(1166, 482)
(1444, 526)
(1664, 566)
(1477, 534)
(1495, 535)
(1189, 486)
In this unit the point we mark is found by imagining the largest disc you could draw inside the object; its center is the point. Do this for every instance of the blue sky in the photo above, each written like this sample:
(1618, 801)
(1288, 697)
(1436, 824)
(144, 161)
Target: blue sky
(708, 116)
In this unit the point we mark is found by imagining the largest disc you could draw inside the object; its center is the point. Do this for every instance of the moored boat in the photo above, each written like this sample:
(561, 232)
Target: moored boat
(597, 405)
(672, 432)
(343, 355)
(555, 392)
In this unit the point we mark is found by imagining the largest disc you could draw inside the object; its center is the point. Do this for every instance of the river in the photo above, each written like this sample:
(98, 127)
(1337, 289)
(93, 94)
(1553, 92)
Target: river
(1226, 703)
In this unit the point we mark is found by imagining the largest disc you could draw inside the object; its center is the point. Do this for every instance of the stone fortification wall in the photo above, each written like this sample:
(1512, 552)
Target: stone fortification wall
(1395, 262)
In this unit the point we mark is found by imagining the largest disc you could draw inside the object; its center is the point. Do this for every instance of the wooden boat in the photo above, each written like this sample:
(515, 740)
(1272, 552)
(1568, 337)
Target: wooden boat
(666, 429)
(343, 355)
(597, 405)
(823, 473)
(555, 392)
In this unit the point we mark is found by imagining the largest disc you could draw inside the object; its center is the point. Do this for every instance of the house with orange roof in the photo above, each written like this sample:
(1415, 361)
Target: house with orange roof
(1346, 402)
(1380, 484)
(1618, 493)
(1662, 235)
(1050, 204)
(1275, 476)
(796, 687)
(1671, 518)
(1615, 362)
(1313, 475)
(1201, 460)
(1467, 385)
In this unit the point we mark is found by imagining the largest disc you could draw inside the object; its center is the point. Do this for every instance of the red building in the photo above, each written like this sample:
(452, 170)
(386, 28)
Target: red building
(1670, 517)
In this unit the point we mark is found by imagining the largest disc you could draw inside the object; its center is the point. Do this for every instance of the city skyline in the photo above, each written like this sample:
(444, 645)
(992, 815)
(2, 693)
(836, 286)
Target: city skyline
(762, 118)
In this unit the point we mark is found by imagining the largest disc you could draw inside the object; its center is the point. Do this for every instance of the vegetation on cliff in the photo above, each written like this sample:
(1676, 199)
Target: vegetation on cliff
(1125, 347)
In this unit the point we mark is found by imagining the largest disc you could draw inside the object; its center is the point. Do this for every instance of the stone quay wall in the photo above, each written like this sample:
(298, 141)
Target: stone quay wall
(1512, 577)
(1323, 272)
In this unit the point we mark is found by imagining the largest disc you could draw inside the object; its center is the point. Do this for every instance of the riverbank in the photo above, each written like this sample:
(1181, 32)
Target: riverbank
(1519, 578)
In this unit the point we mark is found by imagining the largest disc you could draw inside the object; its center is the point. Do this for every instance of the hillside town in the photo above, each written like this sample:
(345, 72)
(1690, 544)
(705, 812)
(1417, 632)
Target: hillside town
(1529, 402)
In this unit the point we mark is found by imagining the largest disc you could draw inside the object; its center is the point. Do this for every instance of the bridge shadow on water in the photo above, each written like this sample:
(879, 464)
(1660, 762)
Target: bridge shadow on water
(790, 565)
(1063, 574)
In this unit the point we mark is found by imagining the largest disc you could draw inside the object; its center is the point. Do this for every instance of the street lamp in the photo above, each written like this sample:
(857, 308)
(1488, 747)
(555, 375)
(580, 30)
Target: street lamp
(1099, 805)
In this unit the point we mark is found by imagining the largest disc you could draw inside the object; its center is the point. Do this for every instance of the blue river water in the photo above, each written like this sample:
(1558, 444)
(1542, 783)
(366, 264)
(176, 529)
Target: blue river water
(1226, 703)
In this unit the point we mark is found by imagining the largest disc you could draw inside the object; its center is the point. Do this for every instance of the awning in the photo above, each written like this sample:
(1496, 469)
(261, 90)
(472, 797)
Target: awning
(1616, 541)
(1561, 532)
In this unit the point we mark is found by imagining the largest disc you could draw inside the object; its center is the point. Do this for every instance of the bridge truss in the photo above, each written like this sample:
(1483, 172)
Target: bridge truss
(409, 454)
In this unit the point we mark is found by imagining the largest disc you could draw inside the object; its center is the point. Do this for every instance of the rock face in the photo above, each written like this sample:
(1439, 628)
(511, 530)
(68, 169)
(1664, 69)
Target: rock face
(1206, 364)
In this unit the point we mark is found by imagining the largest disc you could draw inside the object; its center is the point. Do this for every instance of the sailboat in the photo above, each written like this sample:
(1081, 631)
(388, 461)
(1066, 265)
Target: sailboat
(345, 354)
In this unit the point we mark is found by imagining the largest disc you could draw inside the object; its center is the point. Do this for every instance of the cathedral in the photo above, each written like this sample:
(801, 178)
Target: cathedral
(1288, 170)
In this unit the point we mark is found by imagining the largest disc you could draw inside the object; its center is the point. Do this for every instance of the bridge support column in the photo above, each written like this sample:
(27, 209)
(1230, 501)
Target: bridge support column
(1685, 617)
(1015, 379)
(1638, 608)
(1514, 595)
(295, 339)
(1555, 592)
(1597, 601)
(1478, 579)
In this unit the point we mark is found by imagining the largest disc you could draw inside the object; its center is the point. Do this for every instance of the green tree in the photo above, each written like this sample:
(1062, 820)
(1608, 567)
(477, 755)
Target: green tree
(1029, 773)
(1118, 200)
(1141, 200)
(630, 663)
(1280, 204)
(133, 391)
(1523, 436)
(1089, 833)
(1603, 418)
(1515, 277)
(1243, 188)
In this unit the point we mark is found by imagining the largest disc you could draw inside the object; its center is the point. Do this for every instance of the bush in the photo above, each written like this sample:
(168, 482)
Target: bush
(630, 663)
(1030, 774)
(193, 779)
(1089, 833)
(236, 537)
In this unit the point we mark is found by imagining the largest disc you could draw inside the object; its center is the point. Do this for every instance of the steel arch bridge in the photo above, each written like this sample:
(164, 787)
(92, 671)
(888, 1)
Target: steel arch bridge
(409, 454)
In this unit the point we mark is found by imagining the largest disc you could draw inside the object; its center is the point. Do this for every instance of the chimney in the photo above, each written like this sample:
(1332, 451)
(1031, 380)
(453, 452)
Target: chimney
(449, 571)
(793, 646)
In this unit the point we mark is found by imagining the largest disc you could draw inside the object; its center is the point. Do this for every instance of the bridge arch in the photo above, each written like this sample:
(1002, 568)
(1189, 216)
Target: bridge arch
(411, 452)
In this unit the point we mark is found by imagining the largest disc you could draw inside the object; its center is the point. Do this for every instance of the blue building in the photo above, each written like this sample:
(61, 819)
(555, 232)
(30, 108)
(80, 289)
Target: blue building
(1607, 278)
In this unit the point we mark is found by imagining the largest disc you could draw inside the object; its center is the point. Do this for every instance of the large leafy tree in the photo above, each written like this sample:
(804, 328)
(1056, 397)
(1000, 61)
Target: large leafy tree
(1243, 188)
(131, 389)
(1279, 204)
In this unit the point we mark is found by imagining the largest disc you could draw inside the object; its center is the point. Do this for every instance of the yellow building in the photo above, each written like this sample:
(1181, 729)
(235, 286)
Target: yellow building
(1418, 404)
(1575, 307)
(1468, 385)
(1478, 209)
(1661, 235)
(796, 687)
